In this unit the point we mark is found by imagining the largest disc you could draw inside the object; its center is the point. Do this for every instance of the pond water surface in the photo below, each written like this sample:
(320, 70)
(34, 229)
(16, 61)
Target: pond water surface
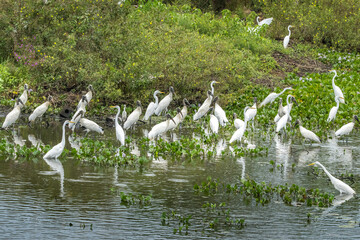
(66, 198)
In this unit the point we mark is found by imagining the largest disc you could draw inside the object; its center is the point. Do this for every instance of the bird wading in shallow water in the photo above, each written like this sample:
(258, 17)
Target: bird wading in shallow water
(152, 107)
(133, 117)
(307, 134)
(160, 128)
(120, 134)
(40, 110)
(165, 102)
(347, 128)
(339, 185)
(12, 116)
(56, 151)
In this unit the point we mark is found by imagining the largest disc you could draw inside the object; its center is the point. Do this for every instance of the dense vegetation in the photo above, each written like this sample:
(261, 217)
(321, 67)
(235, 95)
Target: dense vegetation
(127, 49)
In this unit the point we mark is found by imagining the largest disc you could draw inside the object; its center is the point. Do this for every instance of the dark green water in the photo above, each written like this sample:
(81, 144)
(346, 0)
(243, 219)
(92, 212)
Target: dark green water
(39, 199)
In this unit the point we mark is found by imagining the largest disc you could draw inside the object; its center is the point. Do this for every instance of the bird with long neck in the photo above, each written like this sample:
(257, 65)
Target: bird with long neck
(152, 107)
(238, 134)
(337, 90)
(287, 38)
(272, 96)
(333, 111)
(120, 134)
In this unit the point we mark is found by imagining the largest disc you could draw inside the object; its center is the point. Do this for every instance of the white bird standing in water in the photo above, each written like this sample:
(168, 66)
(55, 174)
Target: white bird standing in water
(284, 119)
(272, 96)
(337, 90)
(184, 110)
(339, 185)
(347, 128)
(165, 102)
(204, 108)
(220, 114)
(88, 96)
(177, 120)
(266, 21)
(124, 114)
(251, 112)
(237, 121)
(214, 124)
(160, 128)
(307, 134)
(333, 111)
(56, 151)
(12, 116)
(287, 38)
(133, 117)
(238, 134)
(283, 110)
(24, 96)
(120, 134)
(76, 117)
(40, 110)
(152, 107)
(88, 124)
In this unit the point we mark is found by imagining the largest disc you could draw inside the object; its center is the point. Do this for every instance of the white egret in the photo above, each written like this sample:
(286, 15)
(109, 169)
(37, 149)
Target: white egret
(220, 114)
(40, 110)
(237, 122)
(307, 134)
(24, 96)
(88, 124)
(272, 96)
(184, 110)
(287, 38)
(120, 134)
(133, 117)
(176, 120)
(152, 107)
(76, 117)
(333, 111)
(124, 114)
(160, 128)
(204, 107)
(165, 102)
(337, 90)
(266, 21)
(347, 128)
(88, 96)
(12, 116)
(339, 185)
(251, 112)
(284, 119)
(56, 151)
(214, 124)
(212, 87)
(238, 134)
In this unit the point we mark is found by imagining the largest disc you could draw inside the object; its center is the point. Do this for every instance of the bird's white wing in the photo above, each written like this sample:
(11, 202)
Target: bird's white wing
(286, 41)
(214, 124)
(150, 111)
(271, 97)
(238, 123)
(332, 114)
(266, 21)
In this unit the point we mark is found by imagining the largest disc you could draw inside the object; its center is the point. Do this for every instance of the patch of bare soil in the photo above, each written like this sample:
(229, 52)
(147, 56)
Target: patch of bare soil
(287, 64)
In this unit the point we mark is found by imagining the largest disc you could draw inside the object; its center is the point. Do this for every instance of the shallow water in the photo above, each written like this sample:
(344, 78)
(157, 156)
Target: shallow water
(39, 199)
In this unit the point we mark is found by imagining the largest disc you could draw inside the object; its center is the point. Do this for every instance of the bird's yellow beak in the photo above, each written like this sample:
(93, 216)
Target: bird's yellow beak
(112, 106)
(71, 122)
(217, 82)
(331, 70)
(161, 92)
(252, 108)
(311, 164)
(341, 97)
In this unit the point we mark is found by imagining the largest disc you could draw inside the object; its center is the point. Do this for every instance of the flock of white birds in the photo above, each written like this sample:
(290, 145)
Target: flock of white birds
(217, 116)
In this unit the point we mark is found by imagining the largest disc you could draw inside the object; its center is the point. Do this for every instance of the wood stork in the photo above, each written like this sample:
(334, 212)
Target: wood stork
(272, 96)
(339, 185)
(347, 128)
(165, 102)
(56, 151)
(333, 111)
(237, 122)
(120, 134)
(184, 110)
(76, 117)
(337, 90)
(204, 108)
(133, 117)
(88, 96)
(152, 107)
(12, 116)
(88, 124)
(24, 96)
(160, 128)
(307, 134)
(40, 110)
(283, 110)
(287, 38)
(176, 120)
